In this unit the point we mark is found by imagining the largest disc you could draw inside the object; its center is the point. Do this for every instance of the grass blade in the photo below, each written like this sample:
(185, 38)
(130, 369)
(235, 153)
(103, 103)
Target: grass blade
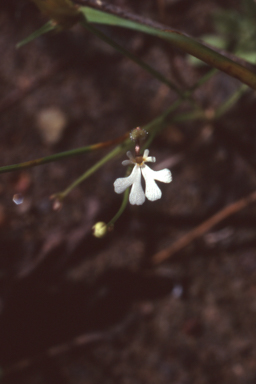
(179, 40)
(41, 31)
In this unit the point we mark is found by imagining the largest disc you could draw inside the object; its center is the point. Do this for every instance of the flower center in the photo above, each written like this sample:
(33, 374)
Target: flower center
(139, 160)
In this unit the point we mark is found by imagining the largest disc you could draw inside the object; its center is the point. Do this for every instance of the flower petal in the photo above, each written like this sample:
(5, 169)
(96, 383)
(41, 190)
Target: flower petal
(137, 195)
(150, 159)
(129, 154)
(122, 183)
(153, 192)
(127, 162)
(146, 153)
(164, 175)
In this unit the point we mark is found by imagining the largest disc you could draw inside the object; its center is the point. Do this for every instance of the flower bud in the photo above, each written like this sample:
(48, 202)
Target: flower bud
(56, 201)
(138, 134)
(99, 229)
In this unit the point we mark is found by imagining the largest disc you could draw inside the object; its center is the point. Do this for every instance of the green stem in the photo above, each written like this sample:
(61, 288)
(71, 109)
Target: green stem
(94, 168)
(121, 209)
(231, 101)
(203, 79)
(194, 115)
(158, 124)
(131, 56)
(227, 105)
(59, 156)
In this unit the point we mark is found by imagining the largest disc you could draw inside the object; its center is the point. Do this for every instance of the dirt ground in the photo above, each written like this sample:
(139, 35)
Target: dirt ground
(79, 310)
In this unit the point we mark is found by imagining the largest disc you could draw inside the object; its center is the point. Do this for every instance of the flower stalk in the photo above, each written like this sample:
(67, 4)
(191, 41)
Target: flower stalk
(62, 155)
(61, 195)
(101, 229)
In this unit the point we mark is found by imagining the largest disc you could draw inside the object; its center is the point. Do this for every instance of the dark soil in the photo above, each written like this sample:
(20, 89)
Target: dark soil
(75, 309)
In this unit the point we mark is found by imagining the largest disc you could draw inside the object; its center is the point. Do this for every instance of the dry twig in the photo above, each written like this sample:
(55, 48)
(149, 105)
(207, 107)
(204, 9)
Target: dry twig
(203, 228)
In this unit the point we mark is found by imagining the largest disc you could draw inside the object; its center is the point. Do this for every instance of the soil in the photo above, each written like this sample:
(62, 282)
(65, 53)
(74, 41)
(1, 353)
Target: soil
(76, 309)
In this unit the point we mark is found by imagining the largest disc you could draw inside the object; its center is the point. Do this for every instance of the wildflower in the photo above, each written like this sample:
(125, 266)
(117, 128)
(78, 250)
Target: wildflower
(152, 192)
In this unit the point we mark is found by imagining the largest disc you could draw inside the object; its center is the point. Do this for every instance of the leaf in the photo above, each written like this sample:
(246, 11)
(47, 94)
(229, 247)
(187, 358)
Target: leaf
(49, 26)
(95, 16)
(179, 40)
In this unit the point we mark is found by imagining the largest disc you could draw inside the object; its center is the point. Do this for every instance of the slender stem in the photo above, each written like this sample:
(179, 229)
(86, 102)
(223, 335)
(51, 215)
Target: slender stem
(61, 155)
(93, 169)
(231, 101)
(203, 79)
(194, 115)
(121, 209)
(131, 56)
(156, 125)
(198, 114)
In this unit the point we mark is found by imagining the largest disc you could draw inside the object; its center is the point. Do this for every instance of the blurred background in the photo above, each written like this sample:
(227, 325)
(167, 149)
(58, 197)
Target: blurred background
(76, 309)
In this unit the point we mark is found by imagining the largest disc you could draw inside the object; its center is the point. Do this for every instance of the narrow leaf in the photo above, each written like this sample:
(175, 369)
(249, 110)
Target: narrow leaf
(41, 31)
(180, 41)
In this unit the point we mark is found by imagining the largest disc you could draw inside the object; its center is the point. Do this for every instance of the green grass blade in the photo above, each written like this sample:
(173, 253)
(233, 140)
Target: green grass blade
(179, 40)
(41, 31)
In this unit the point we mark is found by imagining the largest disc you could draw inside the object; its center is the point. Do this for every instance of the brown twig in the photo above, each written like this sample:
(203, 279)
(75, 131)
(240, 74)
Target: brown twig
(203, 228)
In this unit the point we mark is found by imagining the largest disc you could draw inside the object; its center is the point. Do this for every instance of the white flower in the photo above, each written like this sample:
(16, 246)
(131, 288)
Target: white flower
(137, 195)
